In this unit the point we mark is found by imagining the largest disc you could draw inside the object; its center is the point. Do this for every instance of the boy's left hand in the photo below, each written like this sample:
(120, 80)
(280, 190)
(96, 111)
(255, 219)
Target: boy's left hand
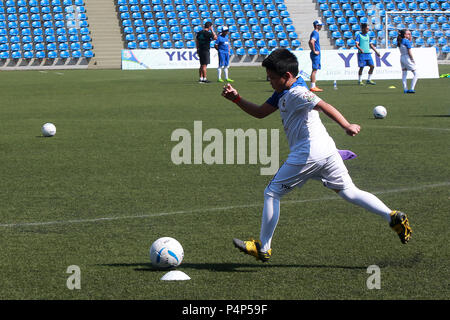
(229, 92)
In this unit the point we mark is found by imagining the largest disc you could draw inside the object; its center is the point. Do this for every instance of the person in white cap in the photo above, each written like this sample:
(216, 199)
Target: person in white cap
(223, 46)
(314, 45)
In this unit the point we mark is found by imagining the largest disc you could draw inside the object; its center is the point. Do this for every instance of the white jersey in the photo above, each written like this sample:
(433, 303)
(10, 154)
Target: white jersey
(307, 137)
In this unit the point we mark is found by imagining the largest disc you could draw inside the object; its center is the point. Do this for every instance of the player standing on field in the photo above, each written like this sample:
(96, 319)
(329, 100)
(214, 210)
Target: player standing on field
(223, 47)
(314, 45)
(406, 59)
(203, 41)
(364, 57)
(313, 154)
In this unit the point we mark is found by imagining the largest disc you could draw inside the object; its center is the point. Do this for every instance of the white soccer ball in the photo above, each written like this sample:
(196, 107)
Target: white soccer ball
(379, 112)
(48, 129)
(166, 253)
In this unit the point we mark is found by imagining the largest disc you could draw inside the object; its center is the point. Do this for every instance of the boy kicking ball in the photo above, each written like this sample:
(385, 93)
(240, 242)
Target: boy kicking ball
(313, 154)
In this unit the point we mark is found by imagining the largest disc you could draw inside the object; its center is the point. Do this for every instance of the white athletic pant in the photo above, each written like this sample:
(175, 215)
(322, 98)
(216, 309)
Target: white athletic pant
(333, 174)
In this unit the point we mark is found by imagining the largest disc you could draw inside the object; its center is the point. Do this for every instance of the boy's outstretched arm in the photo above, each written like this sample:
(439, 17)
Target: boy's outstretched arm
(252, 109)
(350, 128)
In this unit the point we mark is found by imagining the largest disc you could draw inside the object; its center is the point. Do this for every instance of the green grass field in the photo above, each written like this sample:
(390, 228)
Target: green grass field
(104, 188)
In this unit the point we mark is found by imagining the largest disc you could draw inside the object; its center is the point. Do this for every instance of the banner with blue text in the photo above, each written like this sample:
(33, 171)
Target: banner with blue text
(343, 64)
(165, 59)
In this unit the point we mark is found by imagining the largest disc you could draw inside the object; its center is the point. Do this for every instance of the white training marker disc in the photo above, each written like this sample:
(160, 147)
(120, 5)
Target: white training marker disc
(175, 275)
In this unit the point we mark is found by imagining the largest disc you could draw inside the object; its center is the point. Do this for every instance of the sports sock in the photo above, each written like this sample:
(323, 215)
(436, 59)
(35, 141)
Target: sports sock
(369, 77)
(225, 70)
(219, 73)
(271, 214)
(404, 81)
(359, 77)
(366, 200)
(414, 80)
(313, 85)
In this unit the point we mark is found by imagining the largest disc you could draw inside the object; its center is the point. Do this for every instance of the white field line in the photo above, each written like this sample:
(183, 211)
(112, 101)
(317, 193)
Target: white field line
(401, 127)
(226, 208)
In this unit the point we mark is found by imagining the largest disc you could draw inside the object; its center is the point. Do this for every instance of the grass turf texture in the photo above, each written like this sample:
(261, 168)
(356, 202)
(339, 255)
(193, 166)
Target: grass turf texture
(111, 158)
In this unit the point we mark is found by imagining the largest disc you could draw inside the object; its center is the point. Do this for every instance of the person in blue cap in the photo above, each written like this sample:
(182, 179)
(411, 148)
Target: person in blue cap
(223, 47)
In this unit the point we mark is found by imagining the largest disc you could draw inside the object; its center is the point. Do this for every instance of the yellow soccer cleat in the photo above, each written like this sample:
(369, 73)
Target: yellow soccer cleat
(400, 224)
(253, 248)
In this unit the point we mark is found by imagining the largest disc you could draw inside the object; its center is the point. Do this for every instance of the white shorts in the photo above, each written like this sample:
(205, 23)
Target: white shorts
(407, 63)
(331, 171)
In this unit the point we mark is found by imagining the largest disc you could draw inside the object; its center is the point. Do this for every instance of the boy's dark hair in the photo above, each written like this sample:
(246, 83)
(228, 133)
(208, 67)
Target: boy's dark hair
(208, 24)
(363, 25)
(281, 61)
(401, 35)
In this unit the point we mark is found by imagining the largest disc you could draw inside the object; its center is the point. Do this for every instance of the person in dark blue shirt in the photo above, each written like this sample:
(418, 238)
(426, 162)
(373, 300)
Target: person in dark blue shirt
(202, 41)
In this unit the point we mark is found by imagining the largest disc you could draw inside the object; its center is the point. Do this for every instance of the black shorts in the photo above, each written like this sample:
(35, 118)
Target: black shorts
(203, 56)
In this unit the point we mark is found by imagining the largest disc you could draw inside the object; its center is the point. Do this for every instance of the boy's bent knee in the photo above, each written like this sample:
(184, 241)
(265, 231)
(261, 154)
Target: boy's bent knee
(270, 194)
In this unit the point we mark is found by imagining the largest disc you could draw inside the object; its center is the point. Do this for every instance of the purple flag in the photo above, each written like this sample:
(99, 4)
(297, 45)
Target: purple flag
(347, 154)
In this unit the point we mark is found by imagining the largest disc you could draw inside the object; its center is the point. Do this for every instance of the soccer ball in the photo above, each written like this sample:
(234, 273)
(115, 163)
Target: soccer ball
(166, 253)
(379, 112)
(48, 129)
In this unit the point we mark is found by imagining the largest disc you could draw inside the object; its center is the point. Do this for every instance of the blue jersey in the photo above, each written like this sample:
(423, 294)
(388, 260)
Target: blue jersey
(223, 43)
(315, 35)
(405, 44)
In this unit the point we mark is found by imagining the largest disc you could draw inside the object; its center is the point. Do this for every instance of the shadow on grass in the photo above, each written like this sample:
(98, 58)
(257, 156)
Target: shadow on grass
(230, 267)
(433, 115)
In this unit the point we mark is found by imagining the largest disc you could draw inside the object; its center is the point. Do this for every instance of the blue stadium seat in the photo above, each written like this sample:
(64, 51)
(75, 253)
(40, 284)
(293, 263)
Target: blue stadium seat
(442, 41)
(179, 45)
(427, 34)
(252, 52)
(419, 42)
(249, 44)
(272, 43)
(269, 35)
(64, 54)
(431, 42)
(340, 42)
(40, 54)
(345, 27)
(76, 54)
(190, 44)
(240, 51)
(347, 34)
(16, 55)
